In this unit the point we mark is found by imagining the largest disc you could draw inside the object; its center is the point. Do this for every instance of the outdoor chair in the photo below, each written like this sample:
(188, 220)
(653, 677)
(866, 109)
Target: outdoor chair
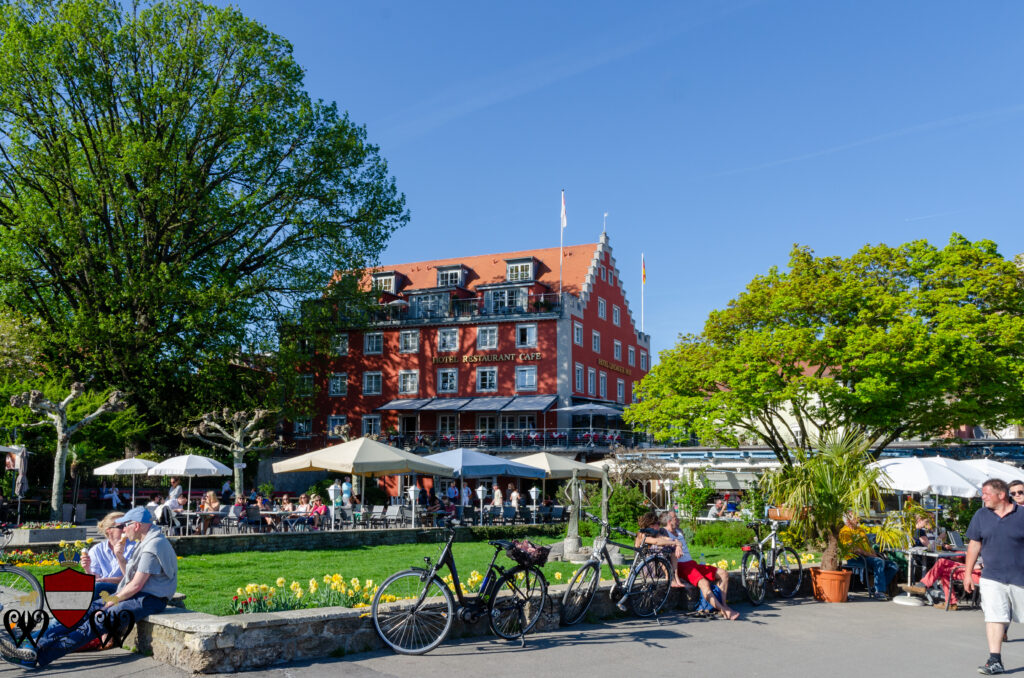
(525, 515)
(955, 586)
(375, 517)
(469, 515)
(493, 515)
(345, 518)
(508, 515)
(394, 516)
(557, 514)
(231, 521)
(253, 521)
(544, 514)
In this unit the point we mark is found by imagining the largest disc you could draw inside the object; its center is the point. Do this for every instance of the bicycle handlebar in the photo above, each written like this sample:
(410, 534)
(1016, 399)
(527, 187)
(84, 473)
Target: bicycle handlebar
(604, 523)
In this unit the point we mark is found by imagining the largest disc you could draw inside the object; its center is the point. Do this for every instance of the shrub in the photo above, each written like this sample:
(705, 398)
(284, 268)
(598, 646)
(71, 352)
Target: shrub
(723, 534)
(374, 496)
(626, 504)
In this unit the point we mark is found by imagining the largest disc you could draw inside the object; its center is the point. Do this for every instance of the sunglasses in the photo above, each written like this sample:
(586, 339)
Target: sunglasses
(1017, 494)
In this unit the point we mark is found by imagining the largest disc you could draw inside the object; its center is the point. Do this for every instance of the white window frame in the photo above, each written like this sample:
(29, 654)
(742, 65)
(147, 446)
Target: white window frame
(338, 384)
(620, 390)
(602, 385)
(519, 272)
(367, 376)
(633, 396)
(631, 354)
(305, 385)
(408, 382)
(643, 360)
(302, 427)
(371, 424)
(531, 335)
(409, 341)
(333, 421)
(617, 350)
(449, 371)
(384, 283)
(579, 378)
(577, 333)
(447, 423)
(483, 331)
(591, 381)
(595, 341)
(480, 372)
(602, 309)
(526, 378)
(616, 315)
(444, 278)
(602, 272)
(367, 350)
(339, 344)
(450, 333)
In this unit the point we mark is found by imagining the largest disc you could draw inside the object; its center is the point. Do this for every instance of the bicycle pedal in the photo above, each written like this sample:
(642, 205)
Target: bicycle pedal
(622, 603)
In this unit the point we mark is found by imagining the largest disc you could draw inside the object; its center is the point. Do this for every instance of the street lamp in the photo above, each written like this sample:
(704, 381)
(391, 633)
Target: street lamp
(668, 488)
(481, 493)
(413, 491)
(534, 493)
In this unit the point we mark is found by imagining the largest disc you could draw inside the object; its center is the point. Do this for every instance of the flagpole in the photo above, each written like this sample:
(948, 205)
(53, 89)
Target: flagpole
(643, 288)
(561, 241)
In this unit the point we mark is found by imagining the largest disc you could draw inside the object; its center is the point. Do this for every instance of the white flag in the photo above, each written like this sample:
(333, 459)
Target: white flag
(563, 210)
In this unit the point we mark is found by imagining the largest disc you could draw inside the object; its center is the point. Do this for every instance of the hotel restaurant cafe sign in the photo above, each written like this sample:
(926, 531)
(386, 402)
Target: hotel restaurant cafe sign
(487, 358)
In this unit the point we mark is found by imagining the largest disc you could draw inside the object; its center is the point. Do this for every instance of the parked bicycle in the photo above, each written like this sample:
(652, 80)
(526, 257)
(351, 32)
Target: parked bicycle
(413, 610)
(646, 587)
(778, 565)
(19, 589)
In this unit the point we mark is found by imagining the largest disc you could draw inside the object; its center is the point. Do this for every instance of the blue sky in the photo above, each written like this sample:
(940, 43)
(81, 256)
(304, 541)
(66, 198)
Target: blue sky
(715, 134)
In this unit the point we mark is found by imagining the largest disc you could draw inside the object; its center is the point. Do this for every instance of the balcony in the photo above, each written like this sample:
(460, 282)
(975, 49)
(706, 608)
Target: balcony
(402, 312)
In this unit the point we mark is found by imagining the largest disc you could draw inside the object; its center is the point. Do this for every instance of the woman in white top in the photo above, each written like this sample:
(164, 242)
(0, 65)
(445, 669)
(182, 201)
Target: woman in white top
(497, 499)
(513, 495)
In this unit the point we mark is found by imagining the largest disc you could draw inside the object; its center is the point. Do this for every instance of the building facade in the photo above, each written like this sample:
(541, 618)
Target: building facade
(483, 351)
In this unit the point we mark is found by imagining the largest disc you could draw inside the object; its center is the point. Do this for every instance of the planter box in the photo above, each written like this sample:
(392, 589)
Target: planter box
(26, 537)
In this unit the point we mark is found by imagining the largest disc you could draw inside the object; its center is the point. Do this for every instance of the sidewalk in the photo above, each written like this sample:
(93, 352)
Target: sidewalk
(798, 638)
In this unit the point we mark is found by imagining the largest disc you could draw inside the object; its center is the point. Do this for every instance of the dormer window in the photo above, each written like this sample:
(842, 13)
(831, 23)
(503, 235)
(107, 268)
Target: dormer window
(449, 277)
(519, 270)
(384, 282)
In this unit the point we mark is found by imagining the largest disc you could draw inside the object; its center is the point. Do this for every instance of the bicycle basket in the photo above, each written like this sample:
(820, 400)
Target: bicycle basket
(527, 553)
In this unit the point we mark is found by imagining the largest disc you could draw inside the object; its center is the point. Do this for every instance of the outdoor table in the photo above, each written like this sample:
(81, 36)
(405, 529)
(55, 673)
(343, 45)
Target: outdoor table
(927, 553)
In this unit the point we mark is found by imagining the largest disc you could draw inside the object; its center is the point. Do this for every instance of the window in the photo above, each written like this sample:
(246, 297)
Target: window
(620, 390)
(304, 347)
(526, 336)
(577, 333)
(429, 305)
(335, 422)
(526, 378)
(603, 389)
(373, 343)
(446, 423)
(643, 360)
(304, 386)
(601, 271)
(517, 272)
(634, 395)
(408, 381)
(340, 344)
(505, 300)
(448, 339)
(302, 426)
(449, 278)
(372, 383)
(616, 315)
(448, 380)
(579, 377)
(384, 283)
(617, 350)
(371, 424)
(409, 341)
(487, 378)
(486, 337)
(591, 381)
(602, 309)
(338, 385)
(595, 341)
(632, 356)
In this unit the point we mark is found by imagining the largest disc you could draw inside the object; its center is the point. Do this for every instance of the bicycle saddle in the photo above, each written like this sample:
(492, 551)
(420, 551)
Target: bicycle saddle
(503, 543)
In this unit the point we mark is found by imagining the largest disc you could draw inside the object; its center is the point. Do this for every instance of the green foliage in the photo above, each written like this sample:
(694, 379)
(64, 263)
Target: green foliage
(722, 534)
(267, 490)
(626, 504)
(374, 496)
(167, 186)
(959, 512)
(320, 487)
(755, 499)
(850, 343)
(693, 495)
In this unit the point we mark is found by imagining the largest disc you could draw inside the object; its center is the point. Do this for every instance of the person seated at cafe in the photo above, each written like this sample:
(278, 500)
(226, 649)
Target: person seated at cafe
(698, 574)
(155, 499)
(286, 503)
(939, 575)
(254, 493)
(226, 493)
(923, 533)
(855, 538)
(435, 509)
(318, 512)
(211, 504)
(659, 541)
(717, 510)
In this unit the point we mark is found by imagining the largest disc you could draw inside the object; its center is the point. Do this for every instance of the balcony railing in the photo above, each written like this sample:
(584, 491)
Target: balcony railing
(523, 440)
(473, 307)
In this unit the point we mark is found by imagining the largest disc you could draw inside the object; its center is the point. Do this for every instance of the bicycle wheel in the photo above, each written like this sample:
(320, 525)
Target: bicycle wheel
(19, 590)
(412, 614)
(580, 593)
(754, 577)
(788, 573)
(648, 585)
(517, 602)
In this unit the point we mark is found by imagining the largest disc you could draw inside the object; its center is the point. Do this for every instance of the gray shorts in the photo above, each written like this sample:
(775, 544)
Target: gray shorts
(1001, 603)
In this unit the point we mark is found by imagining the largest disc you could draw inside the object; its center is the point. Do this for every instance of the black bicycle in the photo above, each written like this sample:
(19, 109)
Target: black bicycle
(777, 565)
(646, 587)
(413, 610)
(19, 589)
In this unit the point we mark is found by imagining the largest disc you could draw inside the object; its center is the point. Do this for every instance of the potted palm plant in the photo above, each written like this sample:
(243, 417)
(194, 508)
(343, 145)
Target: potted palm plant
(826, 483)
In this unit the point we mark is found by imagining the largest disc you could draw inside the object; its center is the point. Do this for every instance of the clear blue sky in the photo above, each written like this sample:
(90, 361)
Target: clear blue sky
(715, 134)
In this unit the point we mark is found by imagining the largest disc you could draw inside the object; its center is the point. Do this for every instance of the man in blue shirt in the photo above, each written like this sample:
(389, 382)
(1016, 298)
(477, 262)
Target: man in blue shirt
(996, 533)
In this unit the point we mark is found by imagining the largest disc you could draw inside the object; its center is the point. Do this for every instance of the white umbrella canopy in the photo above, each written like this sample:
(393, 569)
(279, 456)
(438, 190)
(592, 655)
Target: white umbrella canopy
(191, 465)
(996, 469)
(126, 467)
(972, 473)
(556, 466)
(363, 457)
(913, 474)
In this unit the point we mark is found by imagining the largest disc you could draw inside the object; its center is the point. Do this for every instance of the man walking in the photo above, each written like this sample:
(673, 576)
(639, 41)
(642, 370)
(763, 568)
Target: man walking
(996, 533)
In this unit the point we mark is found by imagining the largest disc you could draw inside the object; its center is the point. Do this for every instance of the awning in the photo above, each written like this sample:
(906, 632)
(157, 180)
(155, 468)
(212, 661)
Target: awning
(530, 403)
(449, 404)
(492, 404)
(405, 404)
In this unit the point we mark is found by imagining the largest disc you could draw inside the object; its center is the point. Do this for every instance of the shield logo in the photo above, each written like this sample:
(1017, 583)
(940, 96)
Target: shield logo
(69, 595)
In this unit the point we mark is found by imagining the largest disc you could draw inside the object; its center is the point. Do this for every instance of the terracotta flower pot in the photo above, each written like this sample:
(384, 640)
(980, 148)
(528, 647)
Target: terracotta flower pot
(786, 513)
(830, 586)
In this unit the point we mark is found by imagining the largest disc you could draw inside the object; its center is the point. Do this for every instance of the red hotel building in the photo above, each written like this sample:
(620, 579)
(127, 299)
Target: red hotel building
(480, 351)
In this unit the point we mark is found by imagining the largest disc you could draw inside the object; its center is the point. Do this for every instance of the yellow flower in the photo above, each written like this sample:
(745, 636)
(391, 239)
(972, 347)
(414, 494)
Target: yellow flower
(354, 581)
(327, 579)
(272, 591)
(264, 588)
(312, 583)
(298, 593)
(79, 544)
(239, 591)
(89, 540)
(368, 584)
(63, 544)
(558, 576)
(280, 581)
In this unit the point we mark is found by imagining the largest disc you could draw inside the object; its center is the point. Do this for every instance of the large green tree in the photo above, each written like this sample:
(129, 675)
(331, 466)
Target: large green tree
(169, 192)
(892, 342)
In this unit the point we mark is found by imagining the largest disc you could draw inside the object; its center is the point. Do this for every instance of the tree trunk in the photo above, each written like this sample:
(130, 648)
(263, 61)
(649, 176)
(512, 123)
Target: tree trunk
(63, 447)
(830, 556)
(238, 455)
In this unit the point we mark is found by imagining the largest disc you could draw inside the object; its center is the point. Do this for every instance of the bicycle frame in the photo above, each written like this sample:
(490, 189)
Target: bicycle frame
(769, 554)
(447, 559)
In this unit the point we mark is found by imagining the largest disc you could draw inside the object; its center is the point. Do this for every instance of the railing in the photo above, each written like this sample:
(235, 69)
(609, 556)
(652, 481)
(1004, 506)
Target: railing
(474, 307)
(508, 439)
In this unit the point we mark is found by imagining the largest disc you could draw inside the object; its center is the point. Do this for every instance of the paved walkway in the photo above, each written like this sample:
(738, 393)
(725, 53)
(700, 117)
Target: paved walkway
(859, 639)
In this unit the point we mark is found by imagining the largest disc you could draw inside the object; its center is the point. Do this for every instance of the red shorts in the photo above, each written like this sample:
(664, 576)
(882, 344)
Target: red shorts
(693, 572)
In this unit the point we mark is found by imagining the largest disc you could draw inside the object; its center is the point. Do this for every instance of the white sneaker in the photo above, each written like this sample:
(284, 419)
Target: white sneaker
(15, 655)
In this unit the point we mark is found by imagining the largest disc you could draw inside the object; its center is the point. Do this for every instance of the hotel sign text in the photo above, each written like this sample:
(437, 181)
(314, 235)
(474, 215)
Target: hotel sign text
(613, 367)
(486, 358)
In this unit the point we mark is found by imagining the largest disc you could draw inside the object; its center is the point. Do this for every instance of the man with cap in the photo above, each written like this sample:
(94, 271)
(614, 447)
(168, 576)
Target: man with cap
(150, 580)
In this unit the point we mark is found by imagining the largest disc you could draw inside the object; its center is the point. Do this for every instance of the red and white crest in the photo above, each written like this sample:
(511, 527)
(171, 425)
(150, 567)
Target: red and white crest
(69, 595)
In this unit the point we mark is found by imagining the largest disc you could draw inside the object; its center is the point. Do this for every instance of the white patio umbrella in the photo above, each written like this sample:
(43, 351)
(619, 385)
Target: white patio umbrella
(996, 469)
(126, 467)
(190, 465)
(925, 476)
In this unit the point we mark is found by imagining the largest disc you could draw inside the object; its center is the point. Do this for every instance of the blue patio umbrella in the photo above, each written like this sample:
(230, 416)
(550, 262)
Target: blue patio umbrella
(470, 463)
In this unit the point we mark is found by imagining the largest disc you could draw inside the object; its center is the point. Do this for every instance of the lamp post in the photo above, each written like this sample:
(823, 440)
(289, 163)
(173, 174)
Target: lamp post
(413, 491)
(481, 493)
(668, 489)
(534, 493)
